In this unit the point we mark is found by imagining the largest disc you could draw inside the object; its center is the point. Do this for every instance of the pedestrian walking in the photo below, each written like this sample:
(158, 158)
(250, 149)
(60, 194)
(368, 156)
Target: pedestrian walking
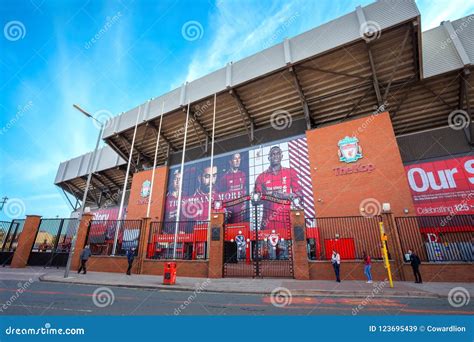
(85, 255)
(130, 258)
(415, 265)
(368, 267)
(336, 264)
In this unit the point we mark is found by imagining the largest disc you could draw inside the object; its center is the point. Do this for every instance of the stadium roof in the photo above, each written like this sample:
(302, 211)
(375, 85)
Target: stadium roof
(326, 75)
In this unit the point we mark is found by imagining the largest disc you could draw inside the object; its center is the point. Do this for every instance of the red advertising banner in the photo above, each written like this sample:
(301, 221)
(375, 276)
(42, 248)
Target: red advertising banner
(443, 187)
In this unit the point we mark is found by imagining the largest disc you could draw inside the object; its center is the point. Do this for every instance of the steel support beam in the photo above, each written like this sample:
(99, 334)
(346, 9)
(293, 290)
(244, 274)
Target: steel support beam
(304, 103)
(67, 197)
(108, 179)
(395, 65)
(140, 154)
(244, 114)
(437, 96)
(375, 80)
(402, 100)
(116, 149)
(357, 104)
(162, 136)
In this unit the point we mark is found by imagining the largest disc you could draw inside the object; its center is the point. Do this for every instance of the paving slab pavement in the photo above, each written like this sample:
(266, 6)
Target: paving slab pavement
(263, 286)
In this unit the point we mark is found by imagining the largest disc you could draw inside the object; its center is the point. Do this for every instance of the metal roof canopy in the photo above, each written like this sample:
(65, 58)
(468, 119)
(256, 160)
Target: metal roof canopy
(324, 75)
(329, 87)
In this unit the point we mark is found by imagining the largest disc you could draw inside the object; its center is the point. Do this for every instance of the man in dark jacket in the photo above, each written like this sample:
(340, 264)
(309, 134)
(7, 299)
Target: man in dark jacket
(415, 264)
(130, 257)
(85, 255)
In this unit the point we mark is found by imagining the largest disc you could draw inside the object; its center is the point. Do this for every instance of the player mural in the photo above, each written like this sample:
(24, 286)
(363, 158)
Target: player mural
(280, 170)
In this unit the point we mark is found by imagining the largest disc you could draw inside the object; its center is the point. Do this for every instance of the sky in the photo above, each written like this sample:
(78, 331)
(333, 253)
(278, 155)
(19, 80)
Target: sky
(110, 56)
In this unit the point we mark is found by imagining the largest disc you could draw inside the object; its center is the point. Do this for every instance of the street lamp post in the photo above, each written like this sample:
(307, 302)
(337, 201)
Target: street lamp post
(84, 197)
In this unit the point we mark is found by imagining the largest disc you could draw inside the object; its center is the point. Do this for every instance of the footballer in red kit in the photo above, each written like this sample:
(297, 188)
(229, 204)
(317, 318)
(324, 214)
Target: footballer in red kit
(196, 207)
(280, 182)
(234, 179)
(172, 197)
(233, 184)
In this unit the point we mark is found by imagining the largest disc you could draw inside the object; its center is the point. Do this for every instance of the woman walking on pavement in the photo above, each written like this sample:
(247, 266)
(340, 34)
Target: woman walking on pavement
(368, 267)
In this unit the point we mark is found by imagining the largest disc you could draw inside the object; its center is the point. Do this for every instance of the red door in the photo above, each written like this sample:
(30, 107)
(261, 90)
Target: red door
(345, 247)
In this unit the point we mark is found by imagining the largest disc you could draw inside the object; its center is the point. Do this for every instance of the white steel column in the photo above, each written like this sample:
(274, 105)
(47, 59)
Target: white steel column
(154, 162)
(178, 209)
(119, 218)
(212, 167)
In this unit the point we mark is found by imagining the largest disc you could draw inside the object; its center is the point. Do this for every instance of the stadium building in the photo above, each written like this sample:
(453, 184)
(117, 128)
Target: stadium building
(263, 167)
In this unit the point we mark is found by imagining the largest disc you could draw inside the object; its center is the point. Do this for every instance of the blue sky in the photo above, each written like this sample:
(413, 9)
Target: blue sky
(141, 53)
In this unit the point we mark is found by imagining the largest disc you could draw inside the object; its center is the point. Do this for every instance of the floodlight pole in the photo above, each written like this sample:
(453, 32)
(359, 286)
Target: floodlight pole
(90, 168)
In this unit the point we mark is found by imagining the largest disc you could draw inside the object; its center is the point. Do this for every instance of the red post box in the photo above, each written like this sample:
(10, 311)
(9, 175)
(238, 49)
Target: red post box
(169, 273)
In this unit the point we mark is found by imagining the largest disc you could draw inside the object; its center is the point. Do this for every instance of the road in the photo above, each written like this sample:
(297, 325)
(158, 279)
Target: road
(41, 298)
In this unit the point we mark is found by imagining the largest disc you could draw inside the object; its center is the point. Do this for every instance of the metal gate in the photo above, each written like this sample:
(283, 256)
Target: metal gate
(53, 242)
(257, 237)
(10, 231)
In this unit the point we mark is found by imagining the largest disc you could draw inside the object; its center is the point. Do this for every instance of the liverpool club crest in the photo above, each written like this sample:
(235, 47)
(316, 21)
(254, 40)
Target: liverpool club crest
(349, 150)
(146, 186)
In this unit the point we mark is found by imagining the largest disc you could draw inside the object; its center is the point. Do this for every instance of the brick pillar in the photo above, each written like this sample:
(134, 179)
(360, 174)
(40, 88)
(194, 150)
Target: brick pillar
(80, 239)
(300, 256)
(25, 241)
(216, 249)
(142, 247)
(394, 245)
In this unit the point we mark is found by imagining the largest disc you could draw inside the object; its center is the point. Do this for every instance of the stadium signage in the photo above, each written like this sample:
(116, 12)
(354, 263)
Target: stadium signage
(349, 150)
(340, 171)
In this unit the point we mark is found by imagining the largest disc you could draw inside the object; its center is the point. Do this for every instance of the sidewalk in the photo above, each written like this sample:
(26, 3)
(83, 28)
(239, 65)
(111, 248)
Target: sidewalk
(262, 286)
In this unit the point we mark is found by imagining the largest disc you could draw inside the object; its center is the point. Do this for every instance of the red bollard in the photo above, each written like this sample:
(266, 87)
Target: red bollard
(169, 274)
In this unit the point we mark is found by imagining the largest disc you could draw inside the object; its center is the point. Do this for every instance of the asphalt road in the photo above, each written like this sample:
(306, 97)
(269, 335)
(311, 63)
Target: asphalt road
(41, 298)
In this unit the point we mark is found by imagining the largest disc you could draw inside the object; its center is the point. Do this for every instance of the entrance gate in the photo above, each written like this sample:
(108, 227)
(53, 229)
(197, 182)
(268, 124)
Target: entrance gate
(53, 242)
(10, 231)
(257, 237)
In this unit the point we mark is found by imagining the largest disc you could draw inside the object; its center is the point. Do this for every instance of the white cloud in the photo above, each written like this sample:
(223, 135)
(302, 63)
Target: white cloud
(434, 12)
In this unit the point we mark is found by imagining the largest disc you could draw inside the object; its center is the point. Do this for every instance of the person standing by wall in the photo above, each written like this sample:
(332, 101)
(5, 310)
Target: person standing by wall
(415, 265)
(85, 255)
(368, 267)
(130, 258)
(336, 264)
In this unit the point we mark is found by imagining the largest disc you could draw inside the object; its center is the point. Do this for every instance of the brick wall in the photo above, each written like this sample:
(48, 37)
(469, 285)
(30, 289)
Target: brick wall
(350, 270)
(184, 268)
(137, 205)
(342, 195)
